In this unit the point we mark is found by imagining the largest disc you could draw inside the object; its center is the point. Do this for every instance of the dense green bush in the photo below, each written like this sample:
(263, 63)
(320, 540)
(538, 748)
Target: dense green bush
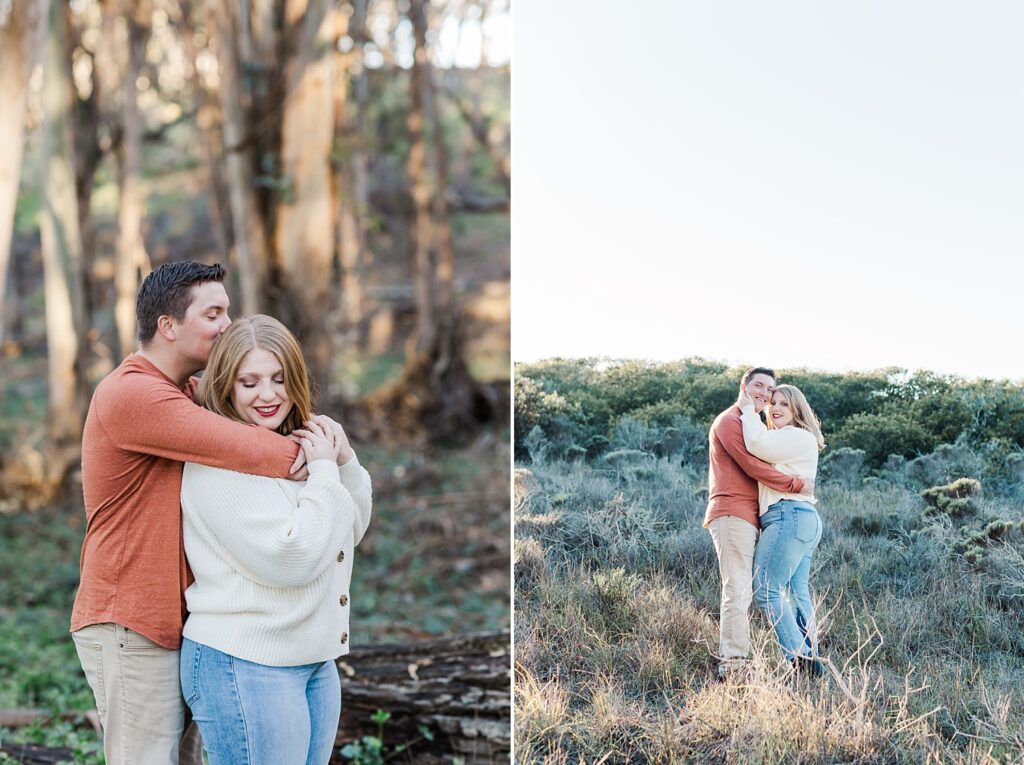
(879, 435)
(591, 403)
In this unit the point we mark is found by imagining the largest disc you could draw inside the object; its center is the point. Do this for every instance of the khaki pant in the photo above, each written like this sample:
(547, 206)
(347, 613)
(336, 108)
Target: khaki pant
(138, 697)
(734, 540)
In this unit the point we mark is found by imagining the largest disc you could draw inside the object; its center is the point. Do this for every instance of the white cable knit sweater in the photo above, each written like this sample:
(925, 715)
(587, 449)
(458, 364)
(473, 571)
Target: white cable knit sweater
(272, 560)
(791, 450)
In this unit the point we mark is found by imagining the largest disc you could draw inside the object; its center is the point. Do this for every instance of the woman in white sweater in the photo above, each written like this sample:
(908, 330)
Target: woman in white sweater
(790, 525)
(272, 560)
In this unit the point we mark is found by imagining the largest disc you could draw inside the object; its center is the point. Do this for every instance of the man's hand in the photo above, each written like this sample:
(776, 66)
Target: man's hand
(808, 486)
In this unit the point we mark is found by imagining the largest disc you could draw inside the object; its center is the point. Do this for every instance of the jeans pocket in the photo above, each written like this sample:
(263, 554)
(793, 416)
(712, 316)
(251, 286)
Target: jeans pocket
(807, 525)
(90, 655)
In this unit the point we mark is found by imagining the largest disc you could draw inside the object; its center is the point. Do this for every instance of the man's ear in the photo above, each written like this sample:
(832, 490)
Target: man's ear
(165, 326)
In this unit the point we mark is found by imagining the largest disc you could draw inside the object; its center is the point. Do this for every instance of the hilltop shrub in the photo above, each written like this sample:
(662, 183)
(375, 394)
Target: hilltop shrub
(874, 525)
(687, 440)
(536, 445)
(679, 438)
(596, 446)
(879, 435)
(1003, 566)
(882, 412)
(536, 407)
(944, 464)
(633, 435)
(623, 457)
(954, 499)
(844, 465)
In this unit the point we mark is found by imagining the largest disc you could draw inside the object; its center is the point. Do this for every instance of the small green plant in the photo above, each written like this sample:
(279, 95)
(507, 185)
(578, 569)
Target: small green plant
(85, 747)
(953, 499)
(371, 750)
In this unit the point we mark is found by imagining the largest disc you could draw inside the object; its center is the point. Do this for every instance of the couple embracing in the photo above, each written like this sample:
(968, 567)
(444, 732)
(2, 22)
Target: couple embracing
(266, 500)
(762, 518)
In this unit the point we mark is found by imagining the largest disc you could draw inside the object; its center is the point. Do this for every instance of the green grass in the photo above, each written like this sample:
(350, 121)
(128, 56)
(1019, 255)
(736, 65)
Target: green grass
(436, 558)
(616, 603)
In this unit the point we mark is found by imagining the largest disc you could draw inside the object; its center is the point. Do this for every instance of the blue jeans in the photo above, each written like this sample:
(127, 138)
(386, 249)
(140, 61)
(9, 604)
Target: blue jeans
(252, 714)
(790, 532)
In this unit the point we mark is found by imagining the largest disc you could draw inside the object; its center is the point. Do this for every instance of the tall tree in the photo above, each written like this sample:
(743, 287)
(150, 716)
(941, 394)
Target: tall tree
(250, 237)
(131, 255)
(304, 235)
(445, 262)
(276, 81)
(20, 34)
(61, 239)
(436, 390)
(350, 160)
(208, 125)
(422, 234)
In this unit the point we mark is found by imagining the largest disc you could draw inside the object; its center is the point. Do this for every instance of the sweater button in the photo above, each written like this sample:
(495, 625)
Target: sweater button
(343, 600)
(344, 637)
(341, 556)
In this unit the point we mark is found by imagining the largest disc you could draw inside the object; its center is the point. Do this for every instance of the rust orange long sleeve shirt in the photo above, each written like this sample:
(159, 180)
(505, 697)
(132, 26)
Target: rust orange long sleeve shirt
(734, 472)
(139, 430)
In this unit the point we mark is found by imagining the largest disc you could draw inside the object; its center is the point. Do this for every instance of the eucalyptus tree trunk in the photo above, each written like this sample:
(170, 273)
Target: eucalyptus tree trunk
(445, 265)
(360, 163)
(250, 238)
(304, 232)
(61, 240)
(350, 171)
(19, 41)
(419, 186)
(208, 123)
(131, 256)
(436, 392)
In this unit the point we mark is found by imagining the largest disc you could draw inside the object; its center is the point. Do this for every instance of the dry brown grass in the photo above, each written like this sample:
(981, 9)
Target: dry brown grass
(615, 641)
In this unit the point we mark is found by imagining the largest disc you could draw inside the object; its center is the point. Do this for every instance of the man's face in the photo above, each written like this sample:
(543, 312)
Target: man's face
(204, 322)
(760, 389)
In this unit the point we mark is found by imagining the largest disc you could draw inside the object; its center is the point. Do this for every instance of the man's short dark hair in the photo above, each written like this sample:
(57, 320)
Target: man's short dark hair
(749, 374)
(168, 290)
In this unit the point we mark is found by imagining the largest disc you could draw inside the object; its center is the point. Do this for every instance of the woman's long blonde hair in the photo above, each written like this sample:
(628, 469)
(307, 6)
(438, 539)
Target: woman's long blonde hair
(803, 416)
(243, 335)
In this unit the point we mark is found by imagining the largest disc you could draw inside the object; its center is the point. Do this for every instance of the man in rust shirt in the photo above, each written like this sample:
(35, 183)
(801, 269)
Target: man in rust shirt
(141, 427)
(732, 515)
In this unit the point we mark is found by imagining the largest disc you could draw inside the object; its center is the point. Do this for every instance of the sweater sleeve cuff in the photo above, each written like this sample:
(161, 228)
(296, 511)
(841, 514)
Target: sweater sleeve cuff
(325, 467)
(748, 409)
(351, 470)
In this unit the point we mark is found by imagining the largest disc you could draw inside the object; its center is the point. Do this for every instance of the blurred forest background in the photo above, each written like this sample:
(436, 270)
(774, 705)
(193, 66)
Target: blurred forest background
(919, 577)
(348, 162)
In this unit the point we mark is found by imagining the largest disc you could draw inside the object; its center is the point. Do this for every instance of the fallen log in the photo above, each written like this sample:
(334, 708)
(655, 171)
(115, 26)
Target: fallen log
(31, 754)
(458, 689)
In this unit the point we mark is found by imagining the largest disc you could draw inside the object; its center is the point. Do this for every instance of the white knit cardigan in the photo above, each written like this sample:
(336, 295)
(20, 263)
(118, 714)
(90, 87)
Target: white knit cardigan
(272, 560)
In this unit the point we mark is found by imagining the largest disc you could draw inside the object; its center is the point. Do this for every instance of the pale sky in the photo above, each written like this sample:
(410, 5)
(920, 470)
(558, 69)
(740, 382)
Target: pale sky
(831, 185)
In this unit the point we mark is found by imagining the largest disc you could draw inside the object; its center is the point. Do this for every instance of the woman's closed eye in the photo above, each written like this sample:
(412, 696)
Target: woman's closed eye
(250, 384)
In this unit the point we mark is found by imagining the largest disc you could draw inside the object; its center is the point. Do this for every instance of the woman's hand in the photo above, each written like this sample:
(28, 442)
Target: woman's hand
(342, 448)
(744, 399)
(317, 443)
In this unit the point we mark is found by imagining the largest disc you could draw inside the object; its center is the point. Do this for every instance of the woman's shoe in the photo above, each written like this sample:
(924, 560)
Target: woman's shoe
(809, 665)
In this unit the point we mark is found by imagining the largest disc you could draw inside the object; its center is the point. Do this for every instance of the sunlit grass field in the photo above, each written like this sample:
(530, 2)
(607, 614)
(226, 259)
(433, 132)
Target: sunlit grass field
(616, 601)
